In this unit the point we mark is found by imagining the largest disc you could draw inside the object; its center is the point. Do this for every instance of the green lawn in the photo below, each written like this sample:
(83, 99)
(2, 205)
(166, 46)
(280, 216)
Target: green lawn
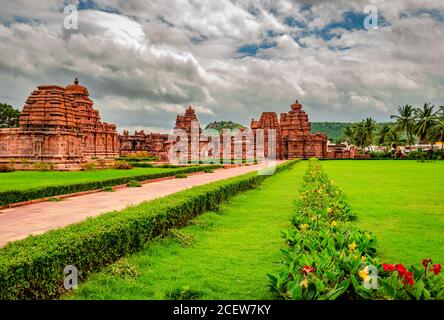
(229, 256)
(401, 201)
(23, 180)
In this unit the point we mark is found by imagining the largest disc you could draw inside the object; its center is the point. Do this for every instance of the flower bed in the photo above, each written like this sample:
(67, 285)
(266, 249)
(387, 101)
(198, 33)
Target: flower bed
(33, 268)
(329, 257)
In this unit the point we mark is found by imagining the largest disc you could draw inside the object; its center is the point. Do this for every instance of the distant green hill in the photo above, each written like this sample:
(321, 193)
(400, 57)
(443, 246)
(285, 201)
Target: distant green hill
(220, 125)
(334, 130)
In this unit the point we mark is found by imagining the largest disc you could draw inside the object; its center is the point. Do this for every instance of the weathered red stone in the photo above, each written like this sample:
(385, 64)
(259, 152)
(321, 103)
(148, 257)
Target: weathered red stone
(152, 143)
(58, 126)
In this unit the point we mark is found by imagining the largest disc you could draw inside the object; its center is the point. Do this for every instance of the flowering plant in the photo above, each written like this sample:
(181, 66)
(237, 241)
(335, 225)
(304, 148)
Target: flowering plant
(330, 257)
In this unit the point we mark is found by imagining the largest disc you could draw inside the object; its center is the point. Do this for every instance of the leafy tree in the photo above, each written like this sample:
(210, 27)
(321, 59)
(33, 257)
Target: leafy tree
(425, 120)
(383, 135)
(369, 130)
(437, 131)
(394, 138)
(220, 125)
(9, 117)
(405, 121)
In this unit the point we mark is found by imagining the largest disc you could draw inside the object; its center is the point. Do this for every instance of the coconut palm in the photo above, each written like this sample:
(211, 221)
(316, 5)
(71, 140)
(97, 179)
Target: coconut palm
(383, 135)
(394, 138)
(348, 134)
(437, 131)
(369, 130)
(425, 120)
(358, 137)
(405, 121)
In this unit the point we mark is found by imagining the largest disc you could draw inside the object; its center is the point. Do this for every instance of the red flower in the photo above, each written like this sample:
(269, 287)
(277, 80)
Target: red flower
(388, 267)
(407, 279)
(425, 262)
(307, 269)
(401, 269)
(436, 269)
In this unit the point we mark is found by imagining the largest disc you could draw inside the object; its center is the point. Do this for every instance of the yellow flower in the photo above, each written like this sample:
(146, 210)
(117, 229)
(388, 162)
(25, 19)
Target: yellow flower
(329, 210)
(304, 283)
(304, 227)
(364, 273)
(334, 223)
(363, 258)
(353, 246)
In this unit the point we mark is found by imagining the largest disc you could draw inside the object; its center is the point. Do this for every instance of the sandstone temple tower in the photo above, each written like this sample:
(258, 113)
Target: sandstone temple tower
(58, 125)
(293, 137)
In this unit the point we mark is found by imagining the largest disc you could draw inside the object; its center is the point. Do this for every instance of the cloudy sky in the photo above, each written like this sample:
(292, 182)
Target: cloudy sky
(144, 61)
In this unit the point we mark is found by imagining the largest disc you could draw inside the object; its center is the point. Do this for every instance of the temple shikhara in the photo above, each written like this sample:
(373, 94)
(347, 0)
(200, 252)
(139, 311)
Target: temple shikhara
(60, 126)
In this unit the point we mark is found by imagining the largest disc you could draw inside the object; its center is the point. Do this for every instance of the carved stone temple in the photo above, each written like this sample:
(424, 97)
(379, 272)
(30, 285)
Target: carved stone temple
(291, 135)
(58, 125)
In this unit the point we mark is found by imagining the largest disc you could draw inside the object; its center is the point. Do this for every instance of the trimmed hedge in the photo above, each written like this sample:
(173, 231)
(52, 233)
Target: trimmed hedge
(13, 196)
(33, 268)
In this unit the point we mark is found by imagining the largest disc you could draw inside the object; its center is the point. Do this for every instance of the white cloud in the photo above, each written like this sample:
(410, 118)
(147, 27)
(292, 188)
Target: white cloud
(151, 59)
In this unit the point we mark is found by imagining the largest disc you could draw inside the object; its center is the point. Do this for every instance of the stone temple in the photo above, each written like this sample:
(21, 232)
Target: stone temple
(58, 125)
(292, 137)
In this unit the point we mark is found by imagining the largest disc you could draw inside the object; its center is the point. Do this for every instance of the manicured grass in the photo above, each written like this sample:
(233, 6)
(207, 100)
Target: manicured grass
(223, 255)
(401, 201)
(24, 180)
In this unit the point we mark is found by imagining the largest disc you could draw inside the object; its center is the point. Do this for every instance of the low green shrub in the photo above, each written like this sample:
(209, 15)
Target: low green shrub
(123, 165)
(123, 269)
(108, 189)
(6, 168)
(43, 166)
(12, 196)
(181, 176)
(89, 166)
(134, 184)
(184, 293)
(329, 257)
(33, 268)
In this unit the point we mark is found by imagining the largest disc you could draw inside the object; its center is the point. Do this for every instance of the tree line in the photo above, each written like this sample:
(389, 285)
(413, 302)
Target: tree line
(412, 125)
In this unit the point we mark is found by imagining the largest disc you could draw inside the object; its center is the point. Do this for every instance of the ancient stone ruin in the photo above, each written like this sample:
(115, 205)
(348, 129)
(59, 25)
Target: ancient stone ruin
(291, 136)
(58, 126)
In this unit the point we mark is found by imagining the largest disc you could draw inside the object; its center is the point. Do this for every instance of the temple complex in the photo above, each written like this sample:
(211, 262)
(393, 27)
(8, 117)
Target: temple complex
(290, 134)
(58, 125)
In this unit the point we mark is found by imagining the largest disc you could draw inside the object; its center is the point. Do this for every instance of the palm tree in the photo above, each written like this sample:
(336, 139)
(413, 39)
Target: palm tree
(383, 135)
(369, 129)
(437, 131)
(358, 137)
(405, 121)
(394, 138)
(425, 120)
(349, 134)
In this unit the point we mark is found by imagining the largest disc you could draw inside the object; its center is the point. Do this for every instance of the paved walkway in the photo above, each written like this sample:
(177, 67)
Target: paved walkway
(18, 223)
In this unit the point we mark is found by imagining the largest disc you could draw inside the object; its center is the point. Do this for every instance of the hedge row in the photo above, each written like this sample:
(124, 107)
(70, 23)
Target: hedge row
(329, 257)
(33, 268)
(13, 196)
